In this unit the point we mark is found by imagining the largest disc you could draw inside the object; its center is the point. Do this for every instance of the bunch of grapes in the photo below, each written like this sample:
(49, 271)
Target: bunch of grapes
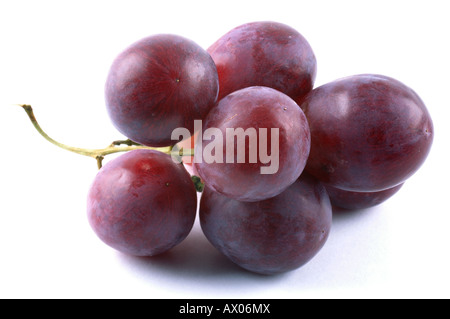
(274, 154)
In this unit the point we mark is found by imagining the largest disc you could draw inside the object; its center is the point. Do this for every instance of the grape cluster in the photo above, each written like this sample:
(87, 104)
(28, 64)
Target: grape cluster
(274, 153)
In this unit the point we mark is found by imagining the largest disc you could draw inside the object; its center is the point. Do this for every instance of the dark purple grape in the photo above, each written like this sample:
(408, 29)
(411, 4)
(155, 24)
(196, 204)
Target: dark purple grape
(264, 54)
(359, 200)
(142, 203)
(244, 178)
(272, 236)
(369, 133)
(160, 83)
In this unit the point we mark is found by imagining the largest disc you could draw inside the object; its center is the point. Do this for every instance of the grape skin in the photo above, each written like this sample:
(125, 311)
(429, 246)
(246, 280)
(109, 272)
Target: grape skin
(255, 107)
(264, 53)
(369, 133)
(272, 236)
(359, 200)
(158, 84)
(142, 203)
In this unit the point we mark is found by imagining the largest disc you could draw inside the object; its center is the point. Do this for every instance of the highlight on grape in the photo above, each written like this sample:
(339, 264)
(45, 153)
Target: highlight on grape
(235, 146)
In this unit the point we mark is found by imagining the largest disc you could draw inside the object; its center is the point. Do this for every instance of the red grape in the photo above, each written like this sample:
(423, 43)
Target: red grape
(272, 236)
(369, 133)
(254, 108)
(158, 84)
(142, 203)
(359, 200)
(264, 54)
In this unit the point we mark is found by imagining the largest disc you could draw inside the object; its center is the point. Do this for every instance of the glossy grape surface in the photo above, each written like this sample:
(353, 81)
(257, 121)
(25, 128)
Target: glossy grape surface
(142, 203)
(264, 54)
(369, 133)
(359, 200)
(160, 83)
(255, 107)
(272, 236)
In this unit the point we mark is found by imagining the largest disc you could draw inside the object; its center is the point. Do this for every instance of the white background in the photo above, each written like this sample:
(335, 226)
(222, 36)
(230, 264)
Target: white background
(55, 55)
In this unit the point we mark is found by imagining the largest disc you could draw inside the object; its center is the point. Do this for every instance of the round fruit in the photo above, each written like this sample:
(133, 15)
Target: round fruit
(260, 146)
(264, 54)
(158, 84)
(369, 133)
(272, 236)
(142, 203)
(359, 200)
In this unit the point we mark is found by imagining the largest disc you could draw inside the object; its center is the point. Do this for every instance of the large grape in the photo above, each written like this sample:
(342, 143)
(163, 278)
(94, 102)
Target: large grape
(264, 54)
(272, 236)
(237, 167)
(369, 133)
(158, 84)
(142, 203)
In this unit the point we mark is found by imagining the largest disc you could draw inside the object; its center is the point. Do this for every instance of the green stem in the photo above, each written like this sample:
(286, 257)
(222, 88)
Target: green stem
(125, 142)
(199, 185)
(99, 154)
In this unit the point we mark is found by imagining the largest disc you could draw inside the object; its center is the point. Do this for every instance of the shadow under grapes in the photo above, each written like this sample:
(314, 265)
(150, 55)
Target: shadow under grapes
(194, 259)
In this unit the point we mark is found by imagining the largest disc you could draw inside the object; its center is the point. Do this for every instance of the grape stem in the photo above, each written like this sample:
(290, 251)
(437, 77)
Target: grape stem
(99, 154)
